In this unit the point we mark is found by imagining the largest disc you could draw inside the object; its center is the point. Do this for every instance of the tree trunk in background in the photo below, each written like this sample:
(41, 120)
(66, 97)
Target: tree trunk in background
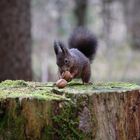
(131, 14)
(107, 33)
(15, 40)
(80, 12)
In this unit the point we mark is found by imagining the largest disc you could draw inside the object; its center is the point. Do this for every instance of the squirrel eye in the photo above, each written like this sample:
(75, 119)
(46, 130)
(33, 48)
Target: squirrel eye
(66, 61)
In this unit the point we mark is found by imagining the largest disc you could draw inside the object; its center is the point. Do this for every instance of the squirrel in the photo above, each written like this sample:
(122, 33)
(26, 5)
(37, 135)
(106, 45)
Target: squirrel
(78, 56)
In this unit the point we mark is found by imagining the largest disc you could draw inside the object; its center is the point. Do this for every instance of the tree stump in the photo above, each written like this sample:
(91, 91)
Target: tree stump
(41, 111)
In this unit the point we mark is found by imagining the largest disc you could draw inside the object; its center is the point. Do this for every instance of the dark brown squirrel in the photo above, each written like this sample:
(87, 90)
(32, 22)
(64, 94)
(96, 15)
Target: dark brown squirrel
(77, 58)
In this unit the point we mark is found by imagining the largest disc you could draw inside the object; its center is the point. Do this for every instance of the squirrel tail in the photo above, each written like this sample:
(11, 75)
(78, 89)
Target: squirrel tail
(83, 40)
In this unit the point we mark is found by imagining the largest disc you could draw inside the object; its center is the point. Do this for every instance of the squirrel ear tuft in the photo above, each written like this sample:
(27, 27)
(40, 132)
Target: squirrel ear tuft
(60, 47)
(63, 48)
(56, 47)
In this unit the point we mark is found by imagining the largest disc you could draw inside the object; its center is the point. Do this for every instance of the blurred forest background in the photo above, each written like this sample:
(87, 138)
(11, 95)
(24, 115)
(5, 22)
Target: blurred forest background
(29, 28)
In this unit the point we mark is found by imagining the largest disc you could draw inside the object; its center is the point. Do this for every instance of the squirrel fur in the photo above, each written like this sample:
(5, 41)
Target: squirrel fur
(78, 56)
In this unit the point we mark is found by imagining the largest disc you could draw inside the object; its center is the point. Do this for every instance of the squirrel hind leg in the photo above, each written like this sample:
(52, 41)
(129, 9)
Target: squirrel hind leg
(86, 74)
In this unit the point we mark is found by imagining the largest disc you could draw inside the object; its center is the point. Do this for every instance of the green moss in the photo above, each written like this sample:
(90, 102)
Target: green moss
(78, 88)
(11, 121)
(13, 83)
(47, 133)
(45, 91)
(28, 119)
(21, 89)
(116, 85)
(40, 95)
(66, 123)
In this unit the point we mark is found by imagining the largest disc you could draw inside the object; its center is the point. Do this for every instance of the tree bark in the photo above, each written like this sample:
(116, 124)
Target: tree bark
(80, 12)
(37, 111)
(15, 40)
(132, 20)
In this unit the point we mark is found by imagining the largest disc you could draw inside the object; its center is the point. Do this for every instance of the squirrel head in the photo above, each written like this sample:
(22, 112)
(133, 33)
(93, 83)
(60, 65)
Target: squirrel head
(64, 59)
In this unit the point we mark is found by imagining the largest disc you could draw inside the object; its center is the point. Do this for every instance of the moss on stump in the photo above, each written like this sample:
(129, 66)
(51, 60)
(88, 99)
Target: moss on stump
(40, 111)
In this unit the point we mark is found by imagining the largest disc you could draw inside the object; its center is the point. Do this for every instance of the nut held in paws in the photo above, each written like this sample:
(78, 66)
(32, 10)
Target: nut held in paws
(67, 76)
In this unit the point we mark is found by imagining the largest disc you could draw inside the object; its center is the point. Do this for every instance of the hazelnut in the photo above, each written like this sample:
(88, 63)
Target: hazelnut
(61, 83)
(67, 76)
